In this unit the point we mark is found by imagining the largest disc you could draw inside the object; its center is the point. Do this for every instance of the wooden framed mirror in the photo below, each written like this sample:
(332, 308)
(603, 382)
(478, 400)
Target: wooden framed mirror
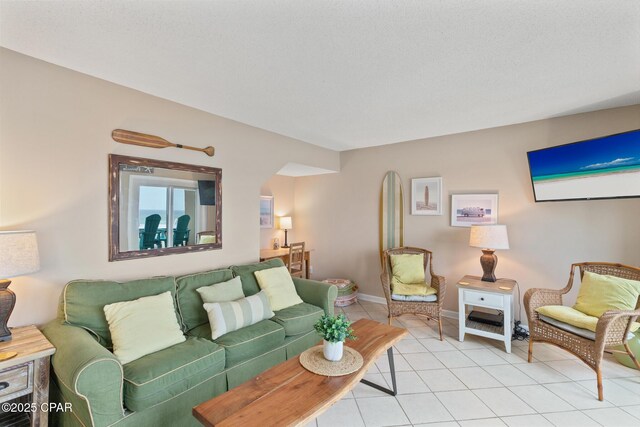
(162, 208)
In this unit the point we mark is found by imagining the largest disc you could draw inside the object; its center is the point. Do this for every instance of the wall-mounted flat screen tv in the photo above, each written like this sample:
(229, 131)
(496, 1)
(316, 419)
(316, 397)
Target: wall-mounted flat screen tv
(600, 168)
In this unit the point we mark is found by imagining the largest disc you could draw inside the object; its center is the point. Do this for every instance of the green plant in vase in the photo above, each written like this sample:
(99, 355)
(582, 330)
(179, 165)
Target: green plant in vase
(334, 330)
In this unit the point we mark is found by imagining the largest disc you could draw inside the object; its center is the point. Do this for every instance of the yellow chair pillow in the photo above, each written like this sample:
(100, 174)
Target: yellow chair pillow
(407, 269)
(599, 293)
(574, 317)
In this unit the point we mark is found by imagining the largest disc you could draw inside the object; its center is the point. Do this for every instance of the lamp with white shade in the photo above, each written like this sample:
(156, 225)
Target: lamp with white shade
(18, 256)
(286, 225)
(489, 238)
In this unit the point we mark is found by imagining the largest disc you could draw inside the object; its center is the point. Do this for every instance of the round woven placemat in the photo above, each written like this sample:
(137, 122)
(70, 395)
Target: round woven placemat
(313, 360)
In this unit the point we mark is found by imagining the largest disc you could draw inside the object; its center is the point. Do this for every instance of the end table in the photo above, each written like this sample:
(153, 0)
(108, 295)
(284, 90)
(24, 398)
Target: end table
(27, 373)
(496, 295)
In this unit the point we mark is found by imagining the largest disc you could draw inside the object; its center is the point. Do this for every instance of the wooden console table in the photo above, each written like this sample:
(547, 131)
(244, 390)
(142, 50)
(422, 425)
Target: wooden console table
(283, 254)
(26, 374)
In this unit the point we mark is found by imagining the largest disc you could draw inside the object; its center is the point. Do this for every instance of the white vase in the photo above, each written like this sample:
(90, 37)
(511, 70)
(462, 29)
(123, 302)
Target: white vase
(332, 350)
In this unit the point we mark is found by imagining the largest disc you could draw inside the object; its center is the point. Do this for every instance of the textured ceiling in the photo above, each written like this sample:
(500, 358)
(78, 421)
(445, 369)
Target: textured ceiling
(349, 74)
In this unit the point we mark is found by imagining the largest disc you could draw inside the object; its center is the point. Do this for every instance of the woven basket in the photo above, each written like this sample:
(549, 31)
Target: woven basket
(347, 291)
(345, 301)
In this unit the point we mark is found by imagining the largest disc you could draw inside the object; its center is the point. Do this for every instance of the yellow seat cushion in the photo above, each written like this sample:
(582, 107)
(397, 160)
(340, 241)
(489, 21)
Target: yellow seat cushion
(279, 287)
(413, 289)
(407, 269)
(599, 293)
(569, 315)
(574, 317)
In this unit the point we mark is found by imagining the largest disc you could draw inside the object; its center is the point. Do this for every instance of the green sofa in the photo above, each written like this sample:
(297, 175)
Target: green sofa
(163, 387)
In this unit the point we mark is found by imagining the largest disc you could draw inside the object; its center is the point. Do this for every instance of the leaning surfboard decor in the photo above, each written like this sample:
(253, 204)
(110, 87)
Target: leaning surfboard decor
(391, 213)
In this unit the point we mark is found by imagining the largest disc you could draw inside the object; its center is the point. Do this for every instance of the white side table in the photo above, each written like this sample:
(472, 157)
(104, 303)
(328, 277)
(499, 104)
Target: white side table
(496, 295)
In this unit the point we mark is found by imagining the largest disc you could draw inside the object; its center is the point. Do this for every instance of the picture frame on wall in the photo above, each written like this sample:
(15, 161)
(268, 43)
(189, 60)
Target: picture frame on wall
(474, 209)
(266, 211)
(426, 196)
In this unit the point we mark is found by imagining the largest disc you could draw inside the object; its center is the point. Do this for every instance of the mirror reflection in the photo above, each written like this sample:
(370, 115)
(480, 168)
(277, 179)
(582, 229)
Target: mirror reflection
(164, 207)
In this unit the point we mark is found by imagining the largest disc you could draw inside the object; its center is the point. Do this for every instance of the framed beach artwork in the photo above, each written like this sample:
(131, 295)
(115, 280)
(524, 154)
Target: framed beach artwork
(266, 211)
(474, 209)
(602, 168)
(426, 196)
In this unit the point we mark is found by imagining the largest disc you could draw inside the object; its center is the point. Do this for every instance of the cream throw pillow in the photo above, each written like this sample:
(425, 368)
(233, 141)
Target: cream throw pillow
(230, 290)
(279, 287)
(143, 326)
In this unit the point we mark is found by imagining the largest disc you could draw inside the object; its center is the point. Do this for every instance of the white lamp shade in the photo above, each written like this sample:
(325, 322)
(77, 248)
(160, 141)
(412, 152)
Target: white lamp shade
(489, 237)
(285, 223)
(18, 253)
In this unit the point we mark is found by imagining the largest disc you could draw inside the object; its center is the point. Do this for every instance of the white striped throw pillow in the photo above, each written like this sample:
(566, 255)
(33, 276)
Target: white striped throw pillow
(225, 317)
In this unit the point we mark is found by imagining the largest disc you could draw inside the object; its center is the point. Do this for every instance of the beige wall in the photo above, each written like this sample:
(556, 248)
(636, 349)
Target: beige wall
(282, 190)
(338, 213)
(55, 127)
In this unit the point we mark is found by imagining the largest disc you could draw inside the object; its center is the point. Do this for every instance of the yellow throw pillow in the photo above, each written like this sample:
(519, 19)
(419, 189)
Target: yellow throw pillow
(407, 269)
(574, 317)
(599, 293)
(413, 289)
(277, 284)
(205, 240)
(143, 326)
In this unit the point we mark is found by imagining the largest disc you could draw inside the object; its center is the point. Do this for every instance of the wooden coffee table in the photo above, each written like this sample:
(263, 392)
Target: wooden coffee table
(289, 395)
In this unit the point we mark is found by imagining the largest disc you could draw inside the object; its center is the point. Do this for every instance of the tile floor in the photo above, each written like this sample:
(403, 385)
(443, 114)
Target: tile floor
(475, 383)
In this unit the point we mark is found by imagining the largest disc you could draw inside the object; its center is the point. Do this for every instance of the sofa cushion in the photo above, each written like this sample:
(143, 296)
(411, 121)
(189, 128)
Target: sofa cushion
(298, 319)
(83, 301)
(156, 377)
(251, 341)
(249, 282)
(190, 302)
(202, 331)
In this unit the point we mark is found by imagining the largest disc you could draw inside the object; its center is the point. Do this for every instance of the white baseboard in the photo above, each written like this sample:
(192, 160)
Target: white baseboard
(372, 298)
(449, 314)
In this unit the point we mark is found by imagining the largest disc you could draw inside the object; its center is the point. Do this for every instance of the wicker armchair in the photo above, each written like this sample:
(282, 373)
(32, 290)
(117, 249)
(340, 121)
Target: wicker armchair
(612, 328)
(432, 310)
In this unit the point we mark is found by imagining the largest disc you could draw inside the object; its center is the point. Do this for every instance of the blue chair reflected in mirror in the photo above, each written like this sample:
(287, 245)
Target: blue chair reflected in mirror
(181, 232)
(148, 239)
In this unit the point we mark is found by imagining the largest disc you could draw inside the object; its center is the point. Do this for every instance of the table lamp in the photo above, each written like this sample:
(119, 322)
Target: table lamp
(489, 238)
(285, 224)
(18, 256)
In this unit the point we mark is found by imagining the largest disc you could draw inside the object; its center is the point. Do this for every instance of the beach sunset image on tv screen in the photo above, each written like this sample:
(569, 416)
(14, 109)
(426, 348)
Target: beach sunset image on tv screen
(601, 168)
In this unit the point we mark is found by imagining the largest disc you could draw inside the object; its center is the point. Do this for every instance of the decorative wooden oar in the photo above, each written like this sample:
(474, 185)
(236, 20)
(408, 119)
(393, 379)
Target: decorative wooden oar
(145, 140)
